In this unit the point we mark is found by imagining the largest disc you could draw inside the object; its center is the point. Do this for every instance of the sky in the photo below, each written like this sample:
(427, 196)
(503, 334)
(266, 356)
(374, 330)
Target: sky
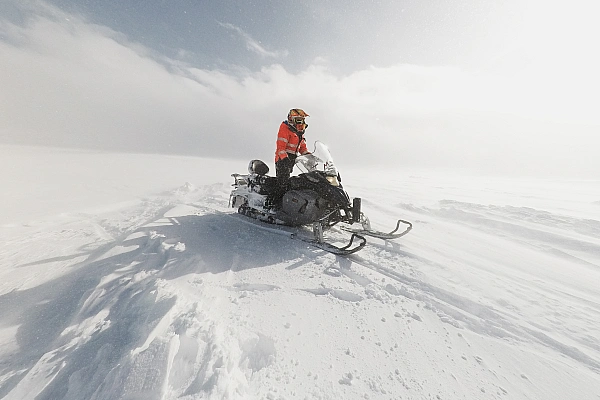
(502, 88)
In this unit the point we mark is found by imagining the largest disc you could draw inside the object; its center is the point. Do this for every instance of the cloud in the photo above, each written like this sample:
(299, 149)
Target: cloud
(252, 44)
(67, 82)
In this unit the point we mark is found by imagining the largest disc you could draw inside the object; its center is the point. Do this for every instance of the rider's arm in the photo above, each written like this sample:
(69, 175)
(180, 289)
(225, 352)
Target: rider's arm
(303, 150)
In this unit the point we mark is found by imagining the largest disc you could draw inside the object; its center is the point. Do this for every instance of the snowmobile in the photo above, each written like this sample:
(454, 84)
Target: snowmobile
(315, 197)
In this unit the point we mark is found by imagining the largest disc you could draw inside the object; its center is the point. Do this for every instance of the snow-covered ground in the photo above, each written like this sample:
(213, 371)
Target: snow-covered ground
(127, 277)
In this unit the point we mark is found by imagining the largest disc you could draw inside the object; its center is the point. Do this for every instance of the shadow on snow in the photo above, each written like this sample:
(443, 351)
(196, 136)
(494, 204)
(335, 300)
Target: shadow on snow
(125, 287)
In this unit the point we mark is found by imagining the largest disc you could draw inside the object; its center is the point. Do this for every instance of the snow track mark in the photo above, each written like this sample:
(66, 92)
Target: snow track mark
(462, 312)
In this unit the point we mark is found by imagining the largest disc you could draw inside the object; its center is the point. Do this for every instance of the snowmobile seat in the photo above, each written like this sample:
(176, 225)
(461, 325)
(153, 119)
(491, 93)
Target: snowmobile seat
(262, 184)
(268, 185)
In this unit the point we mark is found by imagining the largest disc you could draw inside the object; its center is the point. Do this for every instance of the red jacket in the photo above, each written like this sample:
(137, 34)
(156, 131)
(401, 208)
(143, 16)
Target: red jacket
(288, 141)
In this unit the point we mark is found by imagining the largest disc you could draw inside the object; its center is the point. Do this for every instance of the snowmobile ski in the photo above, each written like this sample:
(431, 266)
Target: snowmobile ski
(356, 242)
(346, 250)
(394, 234)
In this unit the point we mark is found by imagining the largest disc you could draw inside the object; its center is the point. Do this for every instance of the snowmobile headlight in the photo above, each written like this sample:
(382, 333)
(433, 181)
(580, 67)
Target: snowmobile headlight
(333, 180)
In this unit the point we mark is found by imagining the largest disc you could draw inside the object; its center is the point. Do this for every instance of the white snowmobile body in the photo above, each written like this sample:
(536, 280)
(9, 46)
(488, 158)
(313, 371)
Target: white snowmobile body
(314, 197)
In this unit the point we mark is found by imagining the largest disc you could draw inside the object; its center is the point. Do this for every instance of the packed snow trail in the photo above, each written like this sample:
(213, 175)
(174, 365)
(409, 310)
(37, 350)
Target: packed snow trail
(174, 299)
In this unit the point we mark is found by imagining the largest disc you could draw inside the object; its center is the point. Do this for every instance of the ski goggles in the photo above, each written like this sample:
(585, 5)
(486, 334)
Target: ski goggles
(298, 120)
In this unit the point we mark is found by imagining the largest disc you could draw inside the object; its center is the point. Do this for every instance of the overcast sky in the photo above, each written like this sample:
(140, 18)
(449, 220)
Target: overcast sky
(507, 86)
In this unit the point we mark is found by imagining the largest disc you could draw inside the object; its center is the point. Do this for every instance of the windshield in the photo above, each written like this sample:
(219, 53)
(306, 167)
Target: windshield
(319, 160)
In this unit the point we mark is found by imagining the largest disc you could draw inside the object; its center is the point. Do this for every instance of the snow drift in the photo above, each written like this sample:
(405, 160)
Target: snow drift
(121, 281)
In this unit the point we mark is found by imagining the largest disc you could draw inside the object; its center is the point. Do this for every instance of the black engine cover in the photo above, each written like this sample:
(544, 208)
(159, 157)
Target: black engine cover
(301, 207)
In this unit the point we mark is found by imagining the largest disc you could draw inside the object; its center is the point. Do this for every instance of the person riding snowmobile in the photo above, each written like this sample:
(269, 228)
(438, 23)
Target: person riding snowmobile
(290, 144)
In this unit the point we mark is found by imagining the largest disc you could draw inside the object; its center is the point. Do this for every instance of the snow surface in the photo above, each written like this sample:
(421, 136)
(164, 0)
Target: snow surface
(127, 277)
